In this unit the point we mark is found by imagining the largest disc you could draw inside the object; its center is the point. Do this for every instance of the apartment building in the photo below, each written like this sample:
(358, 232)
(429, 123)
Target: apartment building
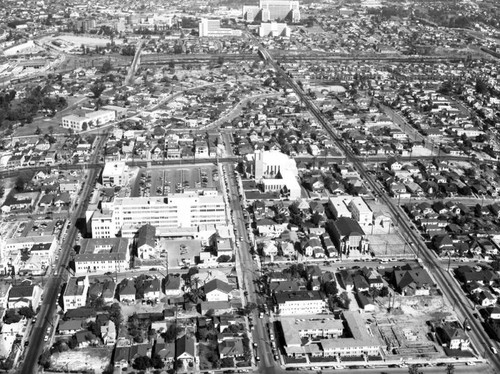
(299, 302)
(102, 256)
(75, 294)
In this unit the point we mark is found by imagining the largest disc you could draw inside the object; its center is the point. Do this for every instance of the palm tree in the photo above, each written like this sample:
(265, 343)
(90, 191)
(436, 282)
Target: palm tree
(450, 369)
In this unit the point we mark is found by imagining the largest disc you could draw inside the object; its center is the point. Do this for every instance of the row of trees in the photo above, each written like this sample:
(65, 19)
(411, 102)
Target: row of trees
(37, 99)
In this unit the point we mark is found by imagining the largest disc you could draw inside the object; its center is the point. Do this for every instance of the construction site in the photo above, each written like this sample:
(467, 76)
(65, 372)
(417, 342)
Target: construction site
(404, 323)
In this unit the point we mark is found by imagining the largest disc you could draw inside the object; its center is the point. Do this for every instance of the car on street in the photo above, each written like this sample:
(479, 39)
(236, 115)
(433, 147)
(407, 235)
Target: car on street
(494, 350)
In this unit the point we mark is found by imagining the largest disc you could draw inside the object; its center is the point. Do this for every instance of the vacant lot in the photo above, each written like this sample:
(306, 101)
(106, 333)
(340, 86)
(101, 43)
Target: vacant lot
(86, 359)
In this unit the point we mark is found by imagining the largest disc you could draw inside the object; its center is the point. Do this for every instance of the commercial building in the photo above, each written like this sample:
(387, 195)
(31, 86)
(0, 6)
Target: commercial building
(89, 120)
(103, 255)
(101, 223)
(115, 174)
(211, 28)
(40, 250)
(187, 210)
(276, 172)
(75, 294)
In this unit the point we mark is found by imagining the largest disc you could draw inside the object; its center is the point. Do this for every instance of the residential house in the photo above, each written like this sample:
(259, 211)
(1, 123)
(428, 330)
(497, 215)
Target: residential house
(145, 241)
(217, 290)
(412, 281)
(452, 336)
(231, 348)
(173, 286)
(127, 291)
(185, 349)
(24, 295)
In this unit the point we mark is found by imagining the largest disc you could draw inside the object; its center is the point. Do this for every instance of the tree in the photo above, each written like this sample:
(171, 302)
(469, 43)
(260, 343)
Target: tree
(224, 258)
(44, 359)
(20, 184)
(413, 369)
(330, 288)
(481, 86)
(249, 308)
(115, 315)
(227, 362)
(94, 328)
(2, 191)
(26, 312)
(450, 369)
(142, 363)
(11, 317)
(172, 332)
(316, 219)
(106, 67)
(157, 362)
(38, 131)
(96, 302)
(339, 301)
(97, 89)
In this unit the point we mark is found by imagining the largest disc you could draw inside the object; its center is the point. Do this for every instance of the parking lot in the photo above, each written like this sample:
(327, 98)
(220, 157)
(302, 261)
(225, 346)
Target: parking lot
(167, 180)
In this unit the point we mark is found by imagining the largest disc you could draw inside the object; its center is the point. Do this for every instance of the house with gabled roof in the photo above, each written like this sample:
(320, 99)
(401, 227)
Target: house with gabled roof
(373, 278)
(185, 349)
(145, 241)
(453, 336)
(231, 348)
(152, 289)
(217, 290)
(24, 295)
(127, 291)
(485, 298)
(412, 281)
(165, 350)
(360, 283)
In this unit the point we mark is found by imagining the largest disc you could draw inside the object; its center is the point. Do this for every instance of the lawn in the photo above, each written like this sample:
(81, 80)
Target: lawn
(44, 123)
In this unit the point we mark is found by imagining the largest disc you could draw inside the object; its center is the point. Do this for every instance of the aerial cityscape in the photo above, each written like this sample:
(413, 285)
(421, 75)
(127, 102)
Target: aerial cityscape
(250, 186)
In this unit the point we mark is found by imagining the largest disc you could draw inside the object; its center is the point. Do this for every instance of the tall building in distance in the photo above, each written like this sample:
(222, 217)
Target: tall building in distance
(273, 10)
(211, 28)
(274, 29)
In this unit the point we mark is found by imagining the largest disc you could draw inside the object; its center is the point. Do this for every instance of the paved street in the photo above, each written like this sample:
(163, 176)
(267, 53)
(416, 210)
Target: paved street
(250, 273)
(454, 295)
(60, 275)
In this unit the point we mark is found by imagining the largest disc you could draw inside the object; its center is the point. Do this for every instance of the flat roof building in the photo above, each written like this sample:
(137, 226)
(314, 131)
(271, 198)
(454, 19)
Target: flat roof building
(103, 255)
(182, 212)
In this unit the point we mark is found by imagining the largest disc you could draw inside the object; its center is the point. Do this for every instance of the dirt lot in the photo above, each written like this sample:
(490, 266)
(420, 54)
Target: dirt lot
(404, 328)
(83, 359)
(388, 245)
